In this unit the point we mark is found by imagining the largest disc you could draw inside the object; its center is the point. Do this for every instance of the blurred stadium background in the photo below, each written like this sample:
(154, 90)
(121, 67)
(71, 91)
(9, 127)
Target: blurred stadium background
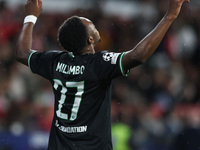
(156, 108)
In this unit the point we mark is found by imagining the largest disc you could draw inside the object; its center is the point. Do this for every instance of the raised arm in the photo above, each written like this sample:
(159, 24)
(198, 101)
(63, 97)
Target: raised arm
(145, 48)
(24, 43)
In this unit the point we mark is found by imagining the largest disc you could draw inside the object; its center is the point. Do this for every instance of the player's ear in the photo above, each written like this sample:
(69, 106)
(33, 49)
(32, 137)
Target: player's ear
(90, 40)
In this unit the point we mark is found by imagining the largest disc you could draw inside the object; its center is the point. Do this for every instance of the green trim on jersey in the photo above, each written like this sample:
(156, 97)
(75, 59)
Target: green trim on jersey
(29, 57)
(121, 66)
(71, 53)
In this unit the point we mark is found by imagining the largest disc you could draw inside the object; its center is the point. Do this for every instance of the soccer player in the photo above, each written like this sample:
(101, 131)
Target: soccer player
(81, 78)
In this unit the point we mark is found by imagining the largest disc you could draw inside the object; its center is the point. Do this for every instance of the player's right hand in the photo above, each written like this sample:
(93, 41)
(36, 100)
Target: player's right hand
(174, 8)
(33, 7)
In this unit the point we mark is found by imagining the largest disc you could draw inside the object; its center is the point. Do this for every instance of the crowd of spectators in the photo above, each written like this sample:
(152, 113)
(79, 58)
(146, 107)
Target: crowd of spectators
(157, 107)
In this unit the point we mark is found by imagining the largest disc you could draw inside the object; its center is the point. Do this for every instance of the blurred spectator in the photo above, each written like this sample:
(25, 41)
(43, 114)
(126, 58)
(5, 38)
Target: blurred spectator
(188, 139)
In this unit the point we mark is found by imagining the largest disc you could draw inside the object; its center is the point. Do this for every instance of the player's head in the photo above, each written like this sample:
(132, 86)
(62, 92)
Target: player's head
(76, 33)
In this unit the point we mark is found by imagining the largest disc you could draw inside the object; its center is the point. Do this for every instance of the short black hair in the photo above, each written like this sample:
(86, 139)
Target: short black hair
(72, 34)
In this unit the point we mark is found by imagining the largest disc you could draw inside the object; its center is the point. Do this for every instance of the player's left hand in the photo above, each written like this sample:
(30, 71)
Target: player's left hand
(33, 7)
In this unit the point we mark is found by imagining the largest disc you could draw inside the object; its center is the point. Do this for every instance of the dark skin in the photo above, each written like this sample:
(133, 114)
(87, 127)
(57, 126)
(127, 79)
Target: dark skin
(138, 55)
(24, 43)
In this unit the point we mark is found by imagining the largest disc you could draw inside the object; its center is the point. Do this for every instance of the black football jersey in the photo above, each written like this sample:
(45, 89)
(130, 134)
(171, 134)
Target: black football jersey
(81, 85)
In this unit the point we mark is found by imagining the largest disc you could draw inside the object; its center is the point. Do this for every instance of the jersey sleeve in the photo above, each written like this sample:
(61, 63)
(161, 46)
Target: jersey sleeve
(108, 65)
(42, 62)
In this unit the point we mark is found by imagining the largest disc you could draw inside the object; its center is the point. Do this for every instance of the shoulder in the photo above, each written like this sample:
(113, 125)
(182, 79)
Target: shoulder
(47, 54)
(51, 52)
(44, 57)
(55, 53)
